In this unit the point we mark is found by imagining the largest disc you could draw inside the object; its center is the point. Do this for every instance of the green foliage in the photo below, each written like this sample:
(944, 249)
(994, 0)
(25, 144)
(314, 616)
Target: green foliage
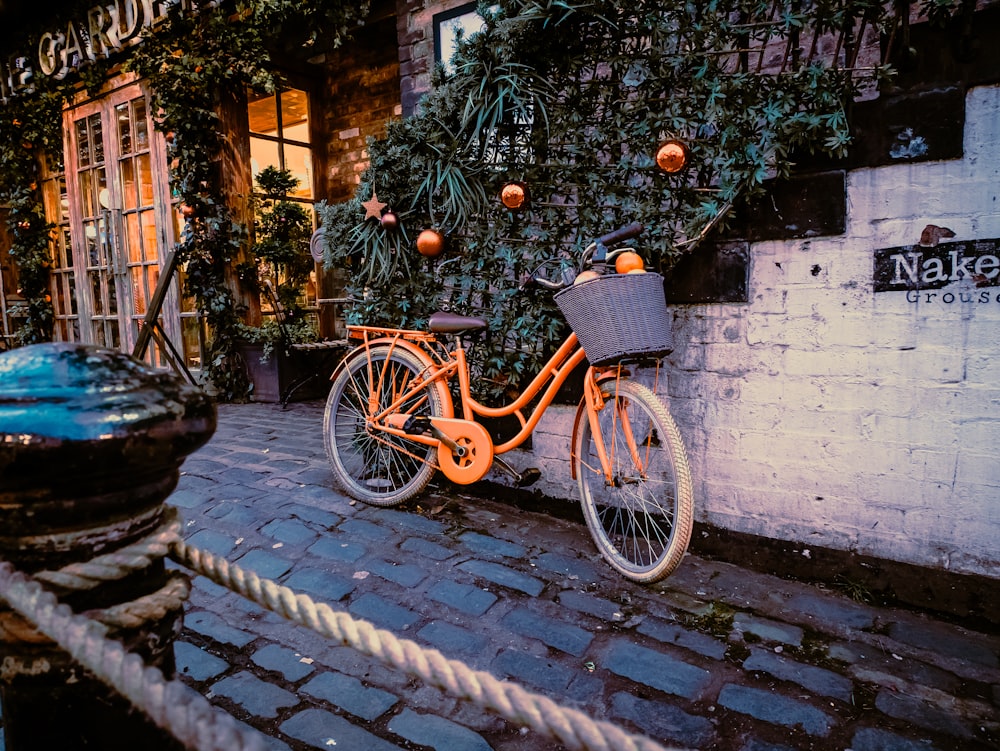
(270, 332)
(192, 63)
(570, 96)
(282, 230)
(574, 100)
(27, 128)
(188, 80)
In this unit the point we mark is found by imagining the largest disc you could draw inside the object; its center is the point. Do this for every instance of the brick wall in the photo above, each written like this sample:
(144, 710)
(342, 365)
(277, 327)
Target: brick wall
(828, 414)
(362, 93)
(415, 33)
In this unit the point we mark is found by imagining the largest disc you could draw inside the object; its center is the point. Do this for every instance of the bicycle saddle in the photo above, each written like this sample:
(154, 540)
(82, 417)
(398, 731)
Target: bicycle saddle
(451, 323)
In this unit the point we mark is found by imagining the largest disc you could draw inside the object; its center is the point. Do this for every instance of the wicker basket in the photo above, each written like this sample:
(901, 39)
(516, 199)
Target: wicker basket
(619, 317)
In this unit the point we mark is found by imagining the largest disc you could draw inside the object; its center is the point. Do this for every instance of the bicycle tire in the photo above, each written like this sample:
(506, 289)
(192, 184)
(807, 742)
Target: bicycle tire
(378, 468)
(641, 520)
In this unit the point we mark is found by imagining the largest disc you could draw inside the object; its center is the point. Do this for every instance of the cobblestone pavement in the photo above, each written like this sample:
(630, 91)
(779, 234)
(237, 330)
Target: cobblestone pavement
(715, 657)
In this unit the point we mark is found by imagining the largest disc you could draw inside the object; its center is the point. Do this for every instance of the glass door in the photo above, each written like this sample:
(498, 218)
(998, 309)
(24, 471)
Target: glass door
(93, 203)
(121, 213)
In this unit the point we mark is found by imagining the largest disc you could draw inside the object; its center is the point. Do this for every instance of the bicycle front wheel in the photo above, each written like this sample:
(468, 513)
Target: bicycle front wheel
(369, 464)
(640, 517)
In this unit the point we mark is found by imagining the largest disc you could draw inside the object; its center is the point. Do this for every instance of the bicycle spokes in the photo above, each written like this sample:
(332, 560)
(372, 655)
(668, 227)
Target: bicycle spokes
(371, 461)
(635, 493)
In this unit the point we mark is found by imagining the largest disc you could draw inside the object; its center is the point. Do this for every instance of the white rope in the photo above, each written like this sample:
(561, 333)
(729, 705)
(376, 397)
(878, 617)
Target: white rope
(171, 705)
(572, 728)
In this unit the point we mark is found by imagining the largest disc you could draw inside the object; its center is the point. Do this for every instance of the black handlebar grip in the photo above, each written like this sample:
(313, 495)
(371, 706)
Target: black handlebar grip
(624, 233)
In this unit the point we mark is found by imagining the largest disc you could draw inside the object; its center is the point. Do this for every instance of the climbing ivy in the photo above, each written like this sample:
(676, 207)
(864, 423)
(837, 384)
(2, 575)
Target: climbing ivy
(573, 98)
(192, 63)
(569, 96)
(27, 128)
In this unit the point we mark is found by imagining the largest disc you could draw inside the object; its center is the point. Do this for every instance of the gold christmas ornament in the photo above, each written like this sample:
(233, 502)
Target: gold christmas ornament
(672, 156)
(373, 207)
(430, 243)
(514, 195)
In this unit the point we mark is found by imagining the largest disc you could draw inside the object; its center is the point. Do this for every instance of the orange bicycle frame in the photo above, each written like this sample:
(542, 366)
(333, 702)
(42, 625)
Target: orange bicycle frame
(442, 368)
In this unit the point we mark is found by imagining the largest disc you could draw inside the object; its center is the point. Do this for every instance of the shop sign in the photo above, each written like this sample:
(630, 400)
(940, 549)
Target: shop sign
(951, 272)
(104, 30)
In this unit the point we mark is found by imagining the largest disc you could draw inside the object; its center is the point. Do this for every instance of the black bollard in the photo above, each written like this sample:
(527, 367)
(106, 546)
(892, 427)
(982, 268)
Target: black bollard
(91, 443)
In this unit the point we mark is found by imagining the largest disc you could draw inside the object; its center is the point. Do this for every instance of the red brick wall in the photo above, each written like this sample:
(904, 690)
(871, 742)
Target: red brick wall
(416, 46)
(361, 93)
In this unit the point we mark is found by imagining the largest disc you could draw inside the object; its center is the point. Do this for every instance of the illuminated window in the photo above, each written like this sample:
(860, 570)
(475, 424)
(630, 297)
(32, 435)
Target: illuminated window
(279, 136)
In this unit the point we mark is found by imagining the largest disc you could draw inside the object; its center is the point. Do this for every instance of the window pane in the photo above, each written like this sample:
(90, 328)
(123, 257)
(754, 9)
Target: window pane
(141, 130)
(132, 239)
(96, 291)
(66, 252)
(145, 180)
(149, 235)
(82, 143)
(295, 114)
(93, 247)
(298, 161)
(263, 115)
(298, 132)
(138, 291)
(97, 129)
(124, 129)
(86, 188)
(102, 190)
(263, 154)
(109, 282)
(128, 184)
(191, 330)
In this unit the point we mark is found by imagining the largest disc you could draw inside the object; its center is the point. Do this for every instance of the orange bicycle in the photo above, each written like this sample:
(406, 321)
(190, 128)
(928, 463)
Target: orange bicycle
(390, 421)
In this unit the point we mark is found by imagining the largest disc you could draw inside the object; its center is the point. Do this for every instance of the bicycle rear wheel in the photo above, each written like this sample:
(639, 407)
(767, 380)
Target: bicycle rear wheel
(369, 464)
(641, 519)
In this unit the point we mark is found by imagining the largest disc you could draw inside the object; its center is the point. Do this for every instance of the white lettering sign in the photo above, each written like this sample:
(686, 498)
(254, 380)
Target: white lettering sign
(104, 30)
(971, 264)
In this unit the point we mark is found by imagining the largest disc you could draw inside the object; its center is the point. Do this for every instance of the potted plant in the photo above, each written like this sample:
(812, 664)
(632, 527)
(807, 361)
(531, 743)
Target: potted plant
(281, 267)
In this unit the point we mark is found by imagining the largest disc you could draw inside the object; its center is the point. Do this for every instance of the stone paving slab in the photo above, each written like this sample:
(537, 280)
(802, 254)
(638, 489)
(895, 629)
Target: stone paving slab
(715, 657)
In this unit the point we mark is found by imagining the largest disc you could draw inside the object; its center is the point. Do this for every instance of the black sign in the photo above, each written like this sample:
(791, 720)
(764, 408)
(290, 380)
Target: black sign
(968, 265)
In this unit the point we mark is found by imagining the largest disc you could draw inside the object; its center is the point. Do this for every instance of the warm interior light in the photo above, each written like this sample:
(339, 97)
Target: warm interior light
(514, 195)
(672, 157)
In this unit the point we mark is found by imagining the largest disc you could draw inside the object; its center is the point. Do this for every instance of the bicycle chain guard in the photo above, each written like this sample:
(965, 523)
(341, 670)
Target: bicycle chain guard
(478, 446)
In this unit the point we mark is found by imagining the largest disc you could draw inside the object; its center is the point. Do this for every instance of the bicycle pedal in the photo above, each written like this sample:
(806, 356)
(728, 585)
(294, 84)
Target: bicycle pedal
(528, 477)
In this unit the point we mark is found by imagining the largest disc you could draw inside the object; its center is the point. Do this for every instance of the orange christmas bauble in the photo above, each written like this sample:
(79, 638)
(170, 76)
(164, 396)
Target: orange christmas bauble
(671, 157)
(430, 243)
(586, 276)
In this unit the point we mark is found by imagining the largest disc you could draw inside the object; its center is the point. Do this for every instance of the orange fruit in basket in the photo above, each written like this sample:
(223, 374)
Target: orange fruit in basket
(629, 261)
(585, 276)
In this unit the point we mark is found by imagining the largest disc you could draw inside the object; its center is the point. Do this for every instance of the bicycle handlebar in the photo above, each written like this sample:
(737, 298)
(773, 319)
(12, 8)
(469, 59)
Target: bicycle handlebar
(621, 234)
(596, 251)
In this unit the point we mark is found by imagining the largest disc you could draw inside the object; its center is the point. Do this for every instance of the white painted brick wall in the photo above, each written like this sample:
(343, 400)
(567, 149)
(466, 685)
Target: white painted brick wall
(824, 413)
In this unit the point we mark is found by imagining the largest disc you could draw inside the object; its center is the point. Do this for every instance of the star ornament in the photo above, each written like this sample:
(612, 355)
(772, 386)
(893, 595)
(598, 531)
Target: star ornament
(373, 207)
